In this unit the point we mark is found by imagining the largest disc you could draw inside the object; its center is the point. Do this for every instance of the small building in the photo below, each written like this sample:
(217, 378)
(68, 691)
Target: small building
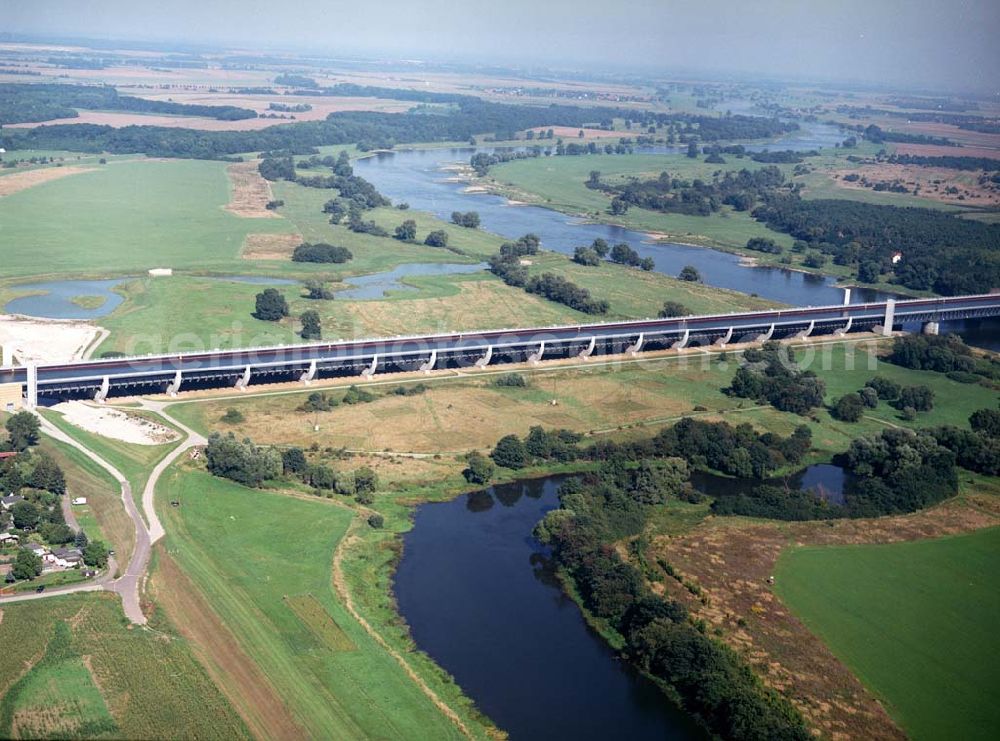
(896, 257)
(7, 454)
(79, 500)
(161, 272)
(38, 549)
(9, 501)
(7, 539)
(67, 558)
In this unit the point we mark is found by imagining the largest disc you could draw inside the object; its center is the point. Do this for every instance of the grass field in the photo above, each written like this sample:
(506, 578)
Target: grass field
(915, 621)
(249, 552)
(72, 668)
(457, 414)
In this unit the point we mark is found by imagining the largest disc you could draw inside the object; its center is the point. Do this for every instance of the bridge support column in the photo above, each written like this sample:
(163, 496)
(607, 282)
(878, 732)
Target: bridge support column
(537, 355)
(723, 341)
(31, 392)
(175, 385)
(683, 341)
(244, 380)
(102, 392)
(368, 372)
(6, 357)
(429, 365)
(309, 374)
(846, 328)
(634, 349)
(847, 296)
(485, 360)
(807, 331)
(767, 335)
(589, 350)
(932, 328)
(890, 313)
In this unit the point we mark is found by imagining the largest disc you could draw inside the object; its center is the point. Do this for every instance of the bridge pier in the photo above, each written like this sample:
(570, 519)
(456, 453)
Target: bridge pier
(429, 365)
(634, 349)
(931, 328)
(102, 392)
(683, 341)
(767, 335)
(536, 356)
(31, 397)
(589, 350)
(175, 385)
(368, 372)
(309, 374)
(890, 313)
(244, 380)
(846, 328)
(485, 360)
(723, 341)
(806, 332)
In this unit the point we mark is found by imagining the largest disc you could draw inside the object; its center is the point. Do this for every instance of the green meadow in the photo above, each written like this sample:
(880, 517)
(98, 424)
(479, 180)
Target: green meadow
(916, 622)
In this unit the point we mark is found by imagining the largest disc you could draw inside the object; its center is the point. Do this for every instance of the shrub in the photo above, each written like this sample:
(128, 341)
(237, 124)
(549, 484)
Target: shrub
(886, 388)
(848, 408)
(271, 305)
(437, 238)
(513, 380)
(510, 452)
(920, 398)
(479, 469)
(376, 521)
(232, 417)
(690, 273)
(672, 309)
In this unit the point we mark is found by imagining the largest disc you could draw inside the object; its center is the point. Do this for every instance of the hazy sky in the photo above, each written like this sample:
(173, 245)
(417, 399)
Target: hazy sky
(921, 43)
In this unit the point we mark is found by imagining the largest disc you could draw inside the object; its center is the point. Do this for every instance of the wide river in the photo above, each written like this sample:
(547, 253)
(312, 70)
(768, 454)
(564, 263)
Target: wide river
(419, 177)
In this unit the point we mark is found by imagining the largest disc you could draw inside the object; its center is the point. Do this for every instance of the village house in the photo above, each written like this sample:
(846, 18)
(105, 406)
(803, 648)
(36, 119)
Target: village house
(9, 501)
(7, 539)
(66, 558)
(38, 549)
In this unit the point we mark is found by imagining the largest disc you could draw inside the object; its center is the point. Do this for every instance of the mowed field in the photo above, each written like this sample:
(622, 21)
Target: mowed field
(72, 668)
(262, 562)
(915, 621)
(126, 217)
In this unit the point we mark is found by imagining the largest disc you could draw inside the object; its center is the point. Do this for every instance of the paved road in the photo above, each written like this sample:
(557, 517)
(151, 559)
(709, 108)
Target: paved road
(129, 585)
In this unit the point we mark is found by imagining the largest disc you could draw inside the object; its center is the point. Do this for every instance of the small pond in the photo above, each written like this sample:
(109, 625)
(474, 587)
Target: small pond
(377, 285)
(825, 480)
(55, 299)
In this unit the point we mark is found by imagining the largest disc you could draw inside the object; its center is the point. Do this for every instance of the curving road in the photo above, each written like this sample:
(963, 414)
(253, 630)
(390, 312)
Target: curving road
(128, 585)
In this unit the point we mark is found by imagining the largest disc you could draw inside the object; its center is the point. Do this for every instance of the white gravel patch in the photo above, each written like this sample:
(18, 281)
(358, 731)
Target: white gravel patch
(45, 340)
(115, 423)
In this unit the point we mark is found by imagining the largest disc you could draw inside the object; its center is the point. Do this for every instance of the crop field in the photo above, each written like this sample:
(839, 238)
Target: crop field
(457, 414)
(915, 621)
(71, 668)
(247, 551)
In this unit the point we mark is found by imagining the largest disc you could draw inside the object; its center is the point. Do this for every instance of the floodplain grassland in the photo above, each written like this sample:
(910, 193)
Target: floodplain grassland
(916, 622)
(72, 667)
(462, 412)
(255, 556)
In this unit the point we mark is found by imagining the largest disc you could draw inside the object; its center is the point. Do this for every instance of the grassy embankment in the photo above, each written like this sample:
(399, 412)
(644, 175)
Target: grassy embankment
(263, 563)
(71, 668)
(914, 621)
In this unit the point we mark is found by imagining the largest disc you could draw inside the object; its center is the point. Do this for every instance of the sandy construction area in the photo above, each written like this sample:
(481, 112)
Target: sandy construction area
(46, 341)
(115, 423)
(250, 192)
(17, 181)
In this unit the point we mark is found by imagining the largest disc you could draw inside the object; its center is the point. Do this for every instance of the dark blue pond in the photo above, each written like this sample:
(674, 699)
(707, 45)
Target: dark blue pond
(480, 597)
(55, 299)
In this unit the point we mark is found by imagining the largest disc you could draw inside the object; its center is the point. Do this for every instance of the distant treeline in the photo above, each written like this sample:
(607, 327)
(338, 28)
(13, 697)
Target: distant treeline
(36, 103)
(367, 129)
(877, 135)
(952, 163)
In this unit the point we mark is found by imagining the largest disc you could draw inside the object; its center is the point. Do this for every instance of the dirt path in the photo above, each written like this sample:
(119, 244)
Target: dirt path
(18, 181)
(340, 585)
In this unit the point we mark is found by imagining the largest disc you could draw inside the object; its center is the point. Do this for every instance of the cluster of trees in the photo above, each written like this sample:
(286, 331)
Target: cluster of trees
(271, 305)
(318, 401)
(437, 238)
(697, 197)
(770, 374)
(23, 430)
(318, 290)
(977, 449)
(940, 252)
(481, 162)
(622, 254)
(592, 255)
(657, 634)
(943, 354)
(537, 446)
(241, 460)
(468, 219)
(407, 231)
(45, 102)
(877, 135)
(764, 244)
(321, 252)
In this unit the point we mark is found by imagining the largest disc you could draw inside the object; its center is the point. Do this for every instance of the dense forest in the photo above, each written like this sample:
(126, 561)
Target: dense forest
(940, 251)
(35, 103)
(950, 162)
